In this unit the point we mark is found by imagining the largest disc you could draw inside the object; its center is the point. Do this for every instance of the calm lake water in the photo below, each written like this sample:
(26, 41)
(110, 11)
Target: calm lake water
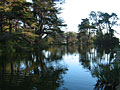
(60, 68)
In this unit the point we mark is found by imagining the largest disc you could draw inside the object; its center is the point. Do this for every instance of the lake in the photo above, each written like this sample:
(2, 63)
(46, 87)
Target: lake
(60, 68)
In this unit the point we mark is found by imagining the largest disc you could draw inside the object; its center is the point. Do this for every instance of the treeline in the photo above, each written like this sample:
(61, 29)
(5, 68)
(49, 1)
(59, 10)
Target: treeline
(100, 27)
(66, 38)
(39, 17)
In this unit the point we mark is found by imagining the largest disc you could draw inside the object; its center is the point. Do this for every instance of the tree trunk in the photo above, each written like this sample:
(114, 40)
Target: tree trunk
(24, 25)
(40, 30)
(16, 26)
(1, 27)
(10, 26)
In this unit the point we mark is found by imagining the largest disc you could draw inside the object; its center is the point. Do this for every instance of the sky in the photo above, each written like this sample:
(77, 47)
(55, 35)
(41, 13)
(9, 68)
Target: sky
(75, 10)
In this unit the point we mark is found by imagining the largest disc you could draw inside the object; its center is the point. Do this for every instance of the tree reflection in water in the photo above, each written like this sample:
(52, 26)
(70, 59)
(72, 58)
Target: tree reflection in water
(42, 69)
(30, 70)
(101, 62)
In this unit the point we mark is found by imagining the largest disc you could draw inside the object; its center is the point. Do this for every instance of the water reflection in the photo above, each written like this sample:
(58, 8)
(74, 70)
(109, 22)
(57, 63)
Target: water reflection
(37, 69)
(101, 62)
(30, 70)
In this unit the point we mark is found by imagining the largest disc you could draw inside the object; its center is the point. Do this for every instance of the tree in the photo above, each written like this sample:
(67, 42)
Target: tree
(39, 17)
(71, 37)
(110, 20)
(85, 29)
(104, 21)
(45, 13)
(13, 12)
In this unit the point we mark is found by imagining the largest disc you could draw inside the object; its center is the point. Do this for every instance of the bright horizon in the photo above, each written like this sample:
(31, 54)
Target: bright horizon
(75, 10)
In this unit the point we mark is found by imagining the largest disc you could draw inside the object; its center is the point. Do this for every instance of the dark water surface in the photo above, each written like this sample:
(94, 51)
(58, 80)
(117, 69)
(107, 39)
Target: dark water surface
(60, 68)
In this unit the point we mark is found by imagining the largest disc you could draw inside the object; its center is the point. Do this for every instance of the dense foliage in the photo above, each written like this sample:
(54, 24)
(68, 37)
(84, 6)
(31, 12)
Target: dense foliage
(40, 16)
(29, 23)
(100, 26)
